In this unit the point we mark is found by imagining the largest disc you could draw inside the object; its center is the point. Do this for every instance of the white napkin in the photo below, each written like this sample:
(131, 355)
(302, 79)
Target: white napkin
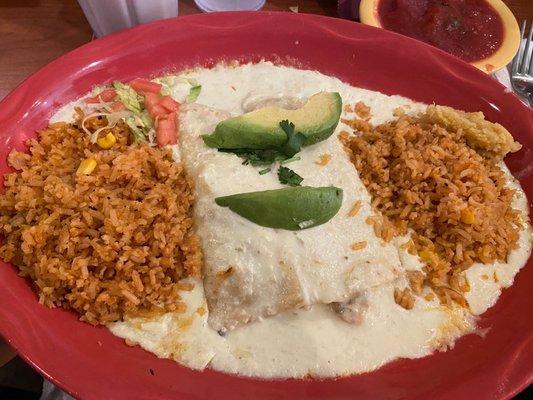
(52, 392)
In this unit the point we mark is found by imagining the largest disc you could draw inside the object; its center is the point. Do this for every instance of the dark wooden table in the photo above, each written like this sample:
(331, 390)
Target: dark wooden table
(34, 32)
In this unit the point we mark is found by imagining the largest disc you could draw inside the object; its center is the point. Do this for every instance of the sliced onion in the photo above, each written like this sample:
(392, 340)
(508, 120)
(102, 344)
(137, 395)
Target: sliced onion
(112, 119)
(151, 137)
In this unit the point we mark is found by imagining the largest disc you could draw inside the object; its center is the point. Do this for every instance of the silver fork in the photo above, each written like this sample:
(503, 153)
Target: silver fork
(522, 67)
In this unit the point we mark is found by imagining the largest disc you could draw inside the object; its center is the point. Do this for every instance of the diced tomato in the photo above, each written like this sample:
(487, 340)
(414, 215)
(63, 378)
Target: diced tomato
(156, 111)
(171, 116)
(166, 130)
(118, 106)
(106, 96)
(169, 103)
(167, 117)
(144, 85)
(150, 100)
(92, 100)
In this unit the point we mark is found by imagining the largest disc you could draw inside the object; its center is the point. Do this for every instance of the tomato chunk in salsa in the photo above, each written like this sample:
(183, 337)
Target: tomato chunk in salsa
(469, 29)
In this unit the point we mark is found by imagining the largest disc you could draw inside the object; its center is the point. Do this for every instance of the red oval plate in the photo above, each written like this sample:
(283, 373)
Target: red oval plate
(91, 363)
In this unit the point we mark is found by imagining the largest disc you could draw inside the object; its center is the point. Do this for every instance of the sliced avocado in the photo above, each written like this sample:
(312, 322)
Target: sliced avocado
(260, 129)
(292, 208)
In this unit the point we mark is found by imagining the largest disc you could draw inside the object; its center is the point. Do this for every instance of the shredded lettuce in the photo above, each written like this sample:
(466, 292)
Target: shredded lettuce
(194, 92)
(114, 117)
(97, 90)
(140, 124)
(167, 82)
(137, 132)
(128, 96)
(191, 81)
(165, 90)
(135, 116)
(145, 119)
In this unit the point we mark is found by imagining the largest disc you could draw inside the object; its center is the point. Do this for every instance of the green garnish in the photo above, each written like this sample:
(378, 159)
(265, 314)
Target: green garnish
(284, 154)
(297, 158)
(128, 96)
(264, 171)
(260, 129)
(194, 91)
(292, 208)
(169, 81)
(145, 120)
(256, 157)
(138, 134)
(294, 140)
(289, 177)
(166, 83)
(136, 117)
(97, 90)
(140, 124)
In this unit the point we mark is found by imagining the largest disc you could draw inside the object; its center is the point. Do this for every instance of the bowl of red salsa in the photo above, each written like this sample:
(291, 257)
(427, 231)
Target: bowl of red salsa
(481, 32)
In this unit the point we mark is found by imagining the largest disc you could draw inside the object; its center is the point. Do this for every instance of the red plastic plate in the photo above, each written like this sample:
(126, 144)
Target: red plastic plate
(90, 363)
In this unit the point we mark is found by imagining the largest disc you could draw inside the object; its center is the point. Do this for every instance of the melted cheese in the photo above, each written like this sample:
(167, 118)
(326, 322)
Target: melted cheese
(251, 271)
(312, 341)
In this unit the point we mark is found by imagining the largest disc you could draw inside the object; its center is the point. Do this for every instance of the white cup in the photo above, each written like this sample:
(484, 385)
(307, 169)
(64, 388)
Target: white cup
(106, 16)
(229, 5)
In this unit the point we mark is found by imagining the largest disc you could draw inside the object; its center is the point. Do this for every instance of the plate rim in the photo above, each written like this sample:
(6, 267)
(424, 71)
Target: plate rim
(22, 87)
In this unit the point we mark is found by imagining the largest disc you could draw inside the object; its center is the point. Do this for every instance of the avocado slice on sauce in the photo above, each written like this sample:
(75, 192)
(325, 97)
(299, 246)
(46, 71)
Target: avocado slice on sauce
(292, 208)
(260, 129)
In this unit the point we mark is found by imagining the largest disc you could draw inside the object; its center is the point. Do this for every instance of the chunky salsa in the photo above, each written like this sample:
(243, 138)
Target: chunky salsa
(469, 29)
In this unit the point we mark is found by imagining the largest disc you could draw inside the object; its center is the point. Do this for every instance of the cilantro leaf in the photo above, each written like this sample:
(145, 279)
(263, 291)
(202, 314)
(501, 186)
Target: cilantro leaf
(289, 160)
(256, 157)
(283, 154)
(294, 140)
(289, 177)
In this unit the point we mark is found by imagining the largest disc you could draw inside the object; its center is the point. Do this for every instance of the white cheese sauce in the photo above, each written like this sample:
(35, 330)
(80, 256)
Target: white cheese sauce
(273, 270)
(313, 341)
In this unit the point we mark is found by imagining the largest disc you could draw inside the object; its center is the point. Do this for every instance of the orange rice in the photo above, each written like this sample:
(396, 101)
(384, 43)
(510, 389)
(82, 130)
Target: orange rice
(114, 242)
(426, 180)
